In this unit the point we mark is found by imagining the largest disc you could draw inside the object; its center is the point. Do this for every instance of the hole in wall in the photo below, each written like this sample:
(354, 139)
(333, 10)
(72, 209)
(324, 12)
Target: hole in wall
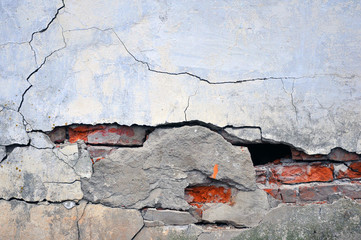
(264, 153)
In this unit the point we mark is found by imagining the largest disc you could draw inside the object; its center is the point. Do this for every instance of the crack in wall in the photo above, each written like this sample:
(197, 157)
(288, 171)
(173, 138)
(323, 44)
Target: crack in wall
(203, 79)
(150, 69)
(37, 69)
(291, 96)
(188, 104)
(292, 100)
(79, 218)
(137, 233)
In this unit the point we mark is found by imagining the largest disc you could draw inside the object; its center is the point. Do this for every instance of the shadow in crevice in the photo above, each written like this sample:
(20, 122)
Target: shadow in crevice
(265, 152)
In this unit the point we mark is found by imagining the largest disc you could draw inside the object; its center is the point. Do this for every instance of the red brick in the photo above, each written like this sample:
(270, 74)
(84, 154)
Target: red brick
(57, 135)
(350, 190)
(81, 132)
(199, 195)
(317, 193)
(118, 135)
(274, 192)
(303, 173)
(108, 135)
(283, 194)
(354, 171)
(261, 175)
(288, 195)
(298, 155)
(321, 193)
(338, 154)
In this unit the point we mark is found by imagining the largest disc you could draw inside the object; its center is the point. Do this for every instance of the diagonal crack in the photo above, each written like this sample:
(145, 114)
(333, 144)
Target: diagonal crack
(203, 79)
(31, 74)
(187, 73)
(49, 23)
(43, 30)
(66, 163)
(137, 233)
(44, 61)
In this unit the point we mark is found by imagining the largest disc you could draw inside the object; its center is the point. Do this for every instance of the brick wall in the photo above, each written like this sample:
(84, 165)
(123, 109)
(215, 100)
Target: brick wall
(306, 178)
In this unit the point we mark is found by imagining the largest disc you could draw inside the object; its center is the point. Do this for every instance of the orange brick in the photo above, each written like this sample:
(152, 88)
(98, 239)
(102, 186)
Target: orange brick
(274, 192)
(303, 173)
(338, 154)
(298, 155)
(354, 171)
(82, 132)
(199, 195)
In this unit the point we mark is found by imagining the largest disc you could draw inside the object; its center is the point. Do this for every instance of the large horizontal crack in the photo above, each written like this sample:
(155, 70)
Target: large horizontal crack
(201, 78)
(221, 82)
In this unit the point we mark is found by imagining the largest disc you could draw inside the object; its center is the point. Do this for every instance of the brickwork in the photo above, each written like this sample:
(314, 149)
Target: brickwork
(312, 178)
(102, 139)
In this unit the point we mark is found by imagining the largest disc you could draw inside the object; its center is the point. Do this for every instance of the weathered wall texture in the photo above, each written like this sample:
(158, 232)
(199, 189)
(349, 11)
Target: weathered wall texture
(145, 119)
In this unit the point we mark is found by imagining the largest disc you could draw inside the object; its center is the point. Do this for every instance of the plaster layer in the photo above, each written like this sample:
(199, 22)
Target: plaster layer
(287, 67)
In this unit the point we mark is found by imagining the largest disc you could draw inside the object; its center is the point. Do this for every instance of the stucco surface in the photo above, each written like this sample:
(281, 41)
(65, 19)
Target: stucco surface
(290, 68)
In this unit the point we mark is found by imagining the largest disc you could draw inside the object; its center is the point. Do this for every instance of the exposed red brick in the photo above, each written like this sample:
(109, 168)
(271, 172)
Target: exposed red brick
(108, 135)
(274, 192)
(322, 192)
(57, 135)
(261, 175)
(350, 190)
(99, 151)
(118, 135)
(288, 195)
(317, 193)
(298, 155)
(338, 154)
(199, 195)
(354, 171)
(81, 132)
(303, 173)
(283, 194)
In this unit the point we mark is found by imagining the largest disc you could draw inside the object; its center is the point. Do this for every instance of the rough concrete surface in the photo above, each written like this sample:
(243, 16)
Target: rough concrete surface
(248, 210)
(12, 129)
(156, 174)
(169, 217)
(100, 222)
(340, 220)
(188, 232)
(20, 220)
(37, 174)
